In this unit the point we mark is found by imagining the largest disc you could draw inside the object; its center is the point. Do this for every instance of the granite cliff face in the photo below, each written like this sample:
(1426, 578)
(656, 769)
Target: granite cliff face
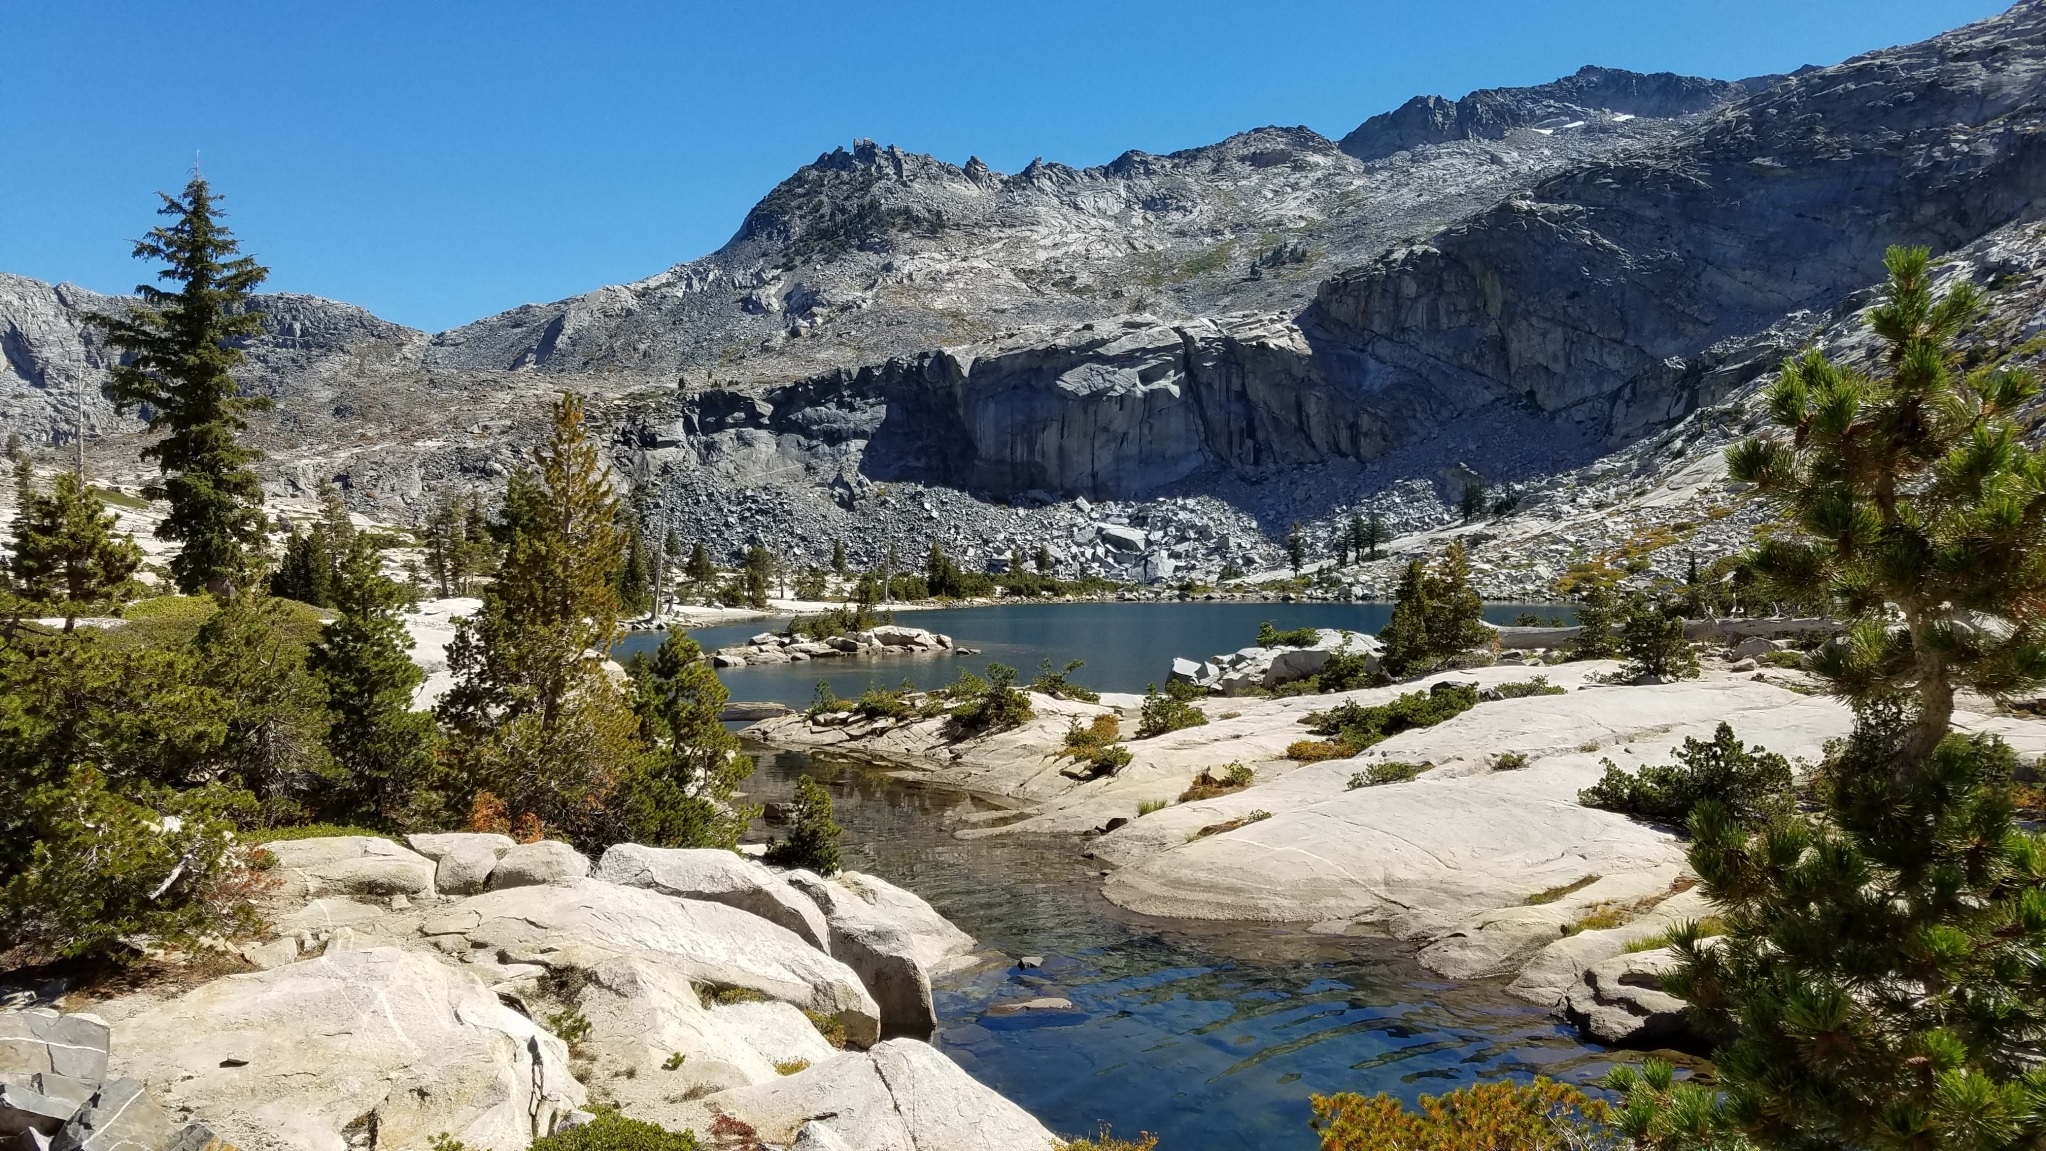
(1506, 286)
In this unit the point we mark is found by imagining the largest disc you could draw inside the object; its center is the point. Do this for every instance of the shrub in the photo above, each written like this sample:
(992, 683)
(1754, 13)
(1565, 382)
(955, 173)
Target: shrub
(1521, 689)
(791, 1066)
(1751, 783)
(1347, 670)
(824, 700)
(1053, 682)
(1095, 745)
(1652, 640)
(1509, 761)
(875, 703)
(989, 705)
(1103, 1141)
(1209, 784)
(1552, 894)
(1390, 771)
(1788, 660)
(1601, 918)
(610, 1131)
(1316, 750)
(569, 1026)
(1168, 712)
(1358, 727)
(1269, 636)
(812, 841)
(1238, 775)
(1538, 1116)
(831, 1027)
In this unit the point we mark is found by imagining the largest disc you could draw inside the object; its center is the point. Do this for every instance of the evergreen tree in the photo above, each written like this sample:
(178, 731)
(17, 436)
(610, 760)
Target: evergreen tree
(636, 568)
(759, 575)
(305, 572)
(68, 557)
(699, 568)
(381, 747)
(183, 347)
(1405, 636)
(276, 713)
(1296, 548)
(838, 558)
(1472, 505)
(533, 717)
(1652, 639)
(684, 797)
(812, 841)
(1045, 563)
(1375, 534)
(1436, 616)
(941, 575)
(1880, 981)
(1596, 617)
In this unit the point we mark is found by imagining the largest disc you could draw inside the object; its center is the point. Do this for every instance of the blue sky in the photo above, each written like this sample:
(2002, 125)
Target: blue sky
(436, 161)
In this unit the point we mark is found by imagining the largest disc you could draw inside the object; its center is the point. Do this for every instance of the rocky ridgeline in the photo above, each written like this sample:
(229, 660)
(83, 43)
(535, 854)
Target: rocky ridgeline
(496, 991)
(888, 639)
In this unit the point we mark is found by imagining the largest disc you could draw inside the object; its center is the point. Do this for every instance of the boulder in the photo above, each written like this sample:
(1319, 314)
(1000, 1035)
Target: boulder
(721, 877)
(1621, 1001)
(120, 1117)
(306, 1053)
(901, 1096)
(434, 845)
(891, 635)
(893, 939)
(349, 865)
(579, 923)
(26, 1109)
(530, 864)
(643, 1013)
(815, 1136)
(1752, 648)
(42, 1041)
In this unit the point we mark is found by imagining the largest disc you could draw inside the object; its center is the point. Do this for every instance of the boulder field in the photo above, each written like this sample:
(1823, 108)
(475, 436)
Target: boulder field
(494, 992)
(1491, 868)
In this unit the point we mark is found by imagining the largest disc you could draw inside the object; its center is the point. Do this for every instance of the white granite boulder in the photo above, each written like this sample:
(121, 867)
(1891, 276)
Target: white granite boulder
(721, 877)
(299, 1054)
(463, 861)
(531, 864)
(579, 923)
(902, 1096)
(893, 939)
(349, 865)
(1621, 1001)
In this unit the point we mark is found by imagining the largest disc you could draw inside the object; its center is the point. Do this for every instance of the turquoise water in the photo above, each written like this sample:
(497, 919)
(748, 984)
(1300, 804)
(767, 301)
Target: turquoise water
(1125, 645)
(1210, 1036)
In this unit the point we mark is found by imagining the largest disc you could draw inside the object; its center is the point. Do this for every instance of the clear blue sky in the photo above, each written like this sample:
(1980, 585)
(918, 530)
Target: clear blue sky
(436, 161)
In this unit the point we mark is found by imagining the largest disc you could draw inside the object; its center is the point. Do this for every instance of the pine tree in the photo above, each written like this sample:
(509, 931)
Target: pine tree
(183, 347)
(1375, 534)
(1652, 639)
(812, 841)
(684, 796)
(1405, 636)
(1296, 549)
(381, 747)
(68, 557)
(636, 568)
(533, 718)
(838, 558)
(276, 719)
(1044, 561)
(759, 575)
(1436, 616)
(1472, 505)
(1596, 617)
(700, 569)
(305, 571)
(1880, 982)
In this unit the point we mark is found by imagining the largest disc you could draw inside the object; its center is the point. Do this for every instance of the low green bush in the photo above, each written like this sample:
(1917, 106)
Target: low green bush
(1269, 636)
(812, 841)
(989, 705)
(1521, 689)
(1053, 682)
(1391, 771)
(611, 1131)
(1751, 783)
(1168, 712)
(1357, 726)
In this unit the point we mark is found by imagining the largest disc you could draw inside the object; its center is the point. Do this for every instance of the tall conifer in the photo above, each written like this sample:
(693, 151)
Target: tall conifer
(382, 749)
(183, 347)
(534, 717)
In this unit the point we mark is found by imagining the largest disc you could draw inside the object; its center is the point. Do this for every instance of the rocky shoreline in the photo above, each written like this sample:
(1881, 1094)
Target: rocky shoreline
(469, 987)
(1489, 873)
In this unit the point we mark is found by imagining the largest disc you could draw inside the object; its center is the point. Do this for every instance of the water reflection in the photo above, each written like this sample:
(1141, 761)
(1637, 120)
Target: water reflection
(1211, 1036)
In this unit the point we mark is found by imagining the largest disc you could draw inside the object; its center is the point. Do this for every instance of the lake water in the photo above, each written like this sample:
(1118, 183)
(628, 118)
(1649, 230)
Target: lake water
(1210, 1036)
(1126, 646)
